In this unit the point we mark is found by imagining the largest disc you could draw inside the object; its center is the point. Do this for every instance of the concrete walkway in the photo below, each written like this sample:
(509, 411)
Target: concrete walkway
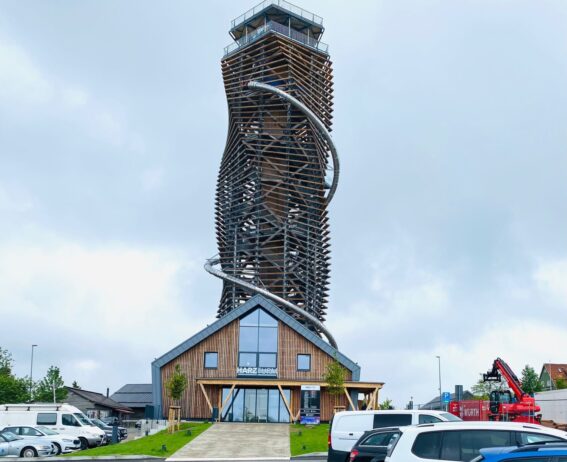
(238, 441)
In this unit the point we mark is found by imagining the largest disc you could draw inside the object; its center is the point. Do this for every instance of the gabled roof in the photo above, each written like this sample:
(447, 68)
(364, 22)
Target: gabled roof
(556, 371)
(100, 399)
(275, 311)
(134, 395)
(434, 403)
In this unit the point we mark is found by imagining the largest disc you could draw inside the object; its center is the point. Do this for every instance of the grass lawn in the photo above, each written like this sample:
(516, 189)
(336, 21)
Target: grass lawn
(305, 439)
(150, 445)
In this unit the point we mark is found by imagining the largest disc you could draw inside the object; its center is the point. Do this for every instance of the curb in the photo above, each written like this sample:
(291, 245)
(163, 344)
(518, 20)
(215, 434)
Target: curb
(228, 459)
(310, 456)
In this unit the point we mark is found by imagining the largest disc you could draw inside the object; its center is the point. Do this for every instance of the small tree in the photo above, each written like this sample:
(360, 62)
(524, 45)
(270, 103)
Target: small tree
(560, 383)
(176, 384)
(6, 362)
(386, 405)
(335, 377)
(481, 390)
(12, 389)
(52, 387)
(76, 385)
(530, 380)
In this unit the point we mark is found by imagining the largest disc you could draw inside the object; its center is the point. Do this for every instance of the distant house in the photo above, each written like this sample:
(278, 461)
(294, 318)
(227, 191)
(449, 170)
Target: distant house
(550, 373)
(433, 405)
(95, 404)
(136, 396)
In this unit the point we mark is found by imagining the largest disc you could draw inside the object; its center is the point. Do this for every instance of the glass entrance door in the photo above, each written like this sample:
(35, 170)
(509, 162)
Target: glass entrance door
(255, 405)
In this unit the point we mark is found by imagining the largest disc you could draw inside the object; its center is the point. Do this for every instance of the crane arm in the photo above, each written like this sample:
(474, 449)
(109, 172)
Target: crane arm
(501, 369)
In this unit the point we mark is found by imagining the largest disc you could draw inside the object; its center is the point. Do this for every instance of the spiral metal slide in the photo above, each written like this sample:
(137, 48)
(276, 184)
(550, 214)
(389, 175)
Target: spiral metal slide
(211, 263)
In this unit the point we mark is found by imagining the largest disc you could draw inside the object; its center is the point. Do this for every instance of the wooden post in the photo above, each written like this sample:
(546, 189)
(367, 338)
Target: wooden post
(174, 418)
(226, 400)
(206, 397)
(349, 400)
(285, 402)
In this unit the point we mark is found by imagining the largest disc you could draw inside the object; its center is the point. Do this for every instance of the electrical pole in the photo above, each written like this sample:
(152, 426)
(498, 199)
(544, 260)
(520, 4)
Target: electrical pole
(31, 373)
(440, 392)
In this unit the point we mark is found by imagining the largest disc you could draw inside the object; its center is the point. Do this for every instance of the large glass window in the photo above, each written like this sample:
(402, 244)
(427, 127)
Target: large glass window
(211, 360)
(267, 360)
(255, 405)
(258, 344)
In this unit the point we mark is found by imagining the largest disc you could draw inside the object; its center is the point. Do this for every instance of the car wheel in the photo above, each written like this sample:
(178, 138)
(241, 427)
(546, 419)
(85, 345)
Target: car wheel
(57, 448)
(84, 444)
(28, 452)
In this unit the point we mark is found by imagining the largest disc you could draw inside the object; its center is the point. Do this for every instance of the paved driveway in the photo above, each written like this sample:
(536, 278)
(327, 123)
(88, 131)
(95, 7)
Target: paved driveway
(238, 441)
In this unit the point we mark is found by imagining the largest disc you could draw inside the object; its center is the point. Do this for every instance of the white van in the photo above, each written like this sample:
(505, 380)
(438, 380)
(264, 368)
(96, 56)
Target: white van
(62, 418)
(462, 441)
(348, 426)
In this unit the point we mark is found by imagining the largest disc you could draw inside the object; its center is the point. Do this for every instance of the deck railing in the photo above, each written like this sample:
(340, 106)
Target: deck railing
(282, 3)
(280, 29)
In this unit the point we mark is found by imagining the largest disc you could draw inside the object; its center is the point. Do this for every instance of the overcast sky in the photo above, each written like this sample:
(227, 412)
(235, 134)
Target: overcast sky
(449, 227)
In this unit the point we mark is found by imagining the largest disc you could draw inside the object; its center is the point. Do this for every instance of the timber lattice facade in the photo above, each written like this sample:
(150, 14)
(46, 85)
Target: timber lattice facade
(271, 215)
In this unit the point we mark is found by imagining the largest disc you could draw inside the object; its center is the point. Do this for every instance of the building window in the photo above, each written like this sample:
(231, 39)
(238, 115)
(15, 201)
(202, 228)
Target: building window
(211, 360)
(303, 362)
(258, 344)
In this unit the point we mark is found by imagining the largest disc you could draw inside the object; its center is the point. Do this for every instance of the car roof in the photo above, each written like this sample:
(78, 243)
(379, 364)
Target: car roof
(391, 411)
(482, 425)
(554, 448)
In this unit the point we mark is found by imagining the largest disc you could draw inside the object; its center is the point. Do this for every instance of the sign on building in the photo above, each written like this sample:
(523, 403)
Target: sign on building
(310, 410)
(257, 371)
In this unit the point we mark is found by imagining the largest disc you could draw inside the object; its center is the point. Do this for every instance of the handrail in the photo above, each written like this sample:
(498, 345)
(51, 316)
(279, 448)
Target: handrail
(210, 268)
(280, 29)
(258, 86)
(282, 3)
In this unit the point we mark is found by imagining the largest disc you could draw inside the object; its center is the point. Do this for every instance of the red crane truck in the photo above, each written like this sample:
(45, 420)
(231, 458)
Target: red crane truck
(503, 406)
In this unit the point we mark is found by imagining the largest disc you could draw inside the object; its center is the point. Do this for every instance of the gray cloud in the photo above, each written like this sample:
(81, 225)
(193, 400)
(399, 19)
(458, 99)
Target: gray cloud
(448, 226)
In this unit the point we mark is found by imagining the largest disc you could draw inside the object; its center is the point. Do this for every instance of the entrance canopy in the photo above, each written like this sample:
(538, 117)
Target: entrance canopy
(253, 403)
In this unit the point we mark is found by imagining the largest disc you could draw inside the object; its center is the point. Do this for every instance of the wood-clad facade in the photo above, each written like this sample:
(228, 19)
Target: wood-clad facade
(212, 391)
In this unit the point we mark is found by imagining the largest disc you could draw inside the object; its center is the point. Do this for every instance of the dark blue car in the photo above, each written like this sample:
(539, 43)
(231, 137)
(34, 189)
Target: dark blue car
(549, 452)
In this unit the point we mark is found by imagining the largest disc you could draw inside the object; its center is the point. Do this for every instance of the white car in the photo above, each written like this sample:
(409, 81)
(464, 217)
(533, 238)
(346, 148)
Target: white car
(62, 418)
(12, 445)
(348, 426)
(63, 443)
(462, 441)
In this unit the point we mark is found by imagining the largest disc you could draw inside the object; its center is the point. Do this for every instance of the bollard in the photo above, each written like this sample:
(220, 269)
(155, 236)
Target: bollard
(115, 434)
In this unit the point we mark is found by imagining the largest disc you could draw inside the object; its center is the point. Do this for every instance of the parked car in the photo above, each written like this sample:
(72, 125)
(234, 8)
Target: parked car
(462, 441)
(550, 452)
(56, 417)
(373, 445)
(122, 432)
(111, 420)
(12, 445)
(63, 443)
(348, 426)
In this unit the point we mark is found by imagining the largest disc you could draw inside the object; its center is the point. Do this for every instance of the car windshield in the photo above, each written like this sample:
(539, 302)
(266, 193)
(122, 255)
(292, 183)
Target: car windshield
(82, 418)
(10, 436)
(450, 417)
(98, 422)
(46, 430)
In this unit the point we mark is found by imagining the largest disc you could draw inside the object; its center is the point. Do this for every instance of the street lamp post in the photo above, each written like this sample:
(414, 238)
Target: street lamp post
(440, 392)
(31, 373)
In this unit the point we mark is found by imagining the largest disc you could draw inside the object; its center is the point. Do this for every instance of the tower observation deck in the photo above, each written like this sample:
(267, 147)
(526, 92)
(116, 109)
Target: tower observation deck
(279, 170)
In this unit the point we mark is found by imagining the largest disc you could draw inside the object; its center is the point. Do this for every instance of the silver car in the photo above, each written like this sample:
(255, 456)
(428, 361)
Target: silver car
(12, 445)
(63, 443)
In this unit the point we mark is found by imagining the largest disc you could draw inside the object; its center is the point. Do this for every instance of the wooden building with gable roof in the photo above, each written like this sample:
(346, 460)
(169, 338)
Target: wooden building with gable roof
(251, 366)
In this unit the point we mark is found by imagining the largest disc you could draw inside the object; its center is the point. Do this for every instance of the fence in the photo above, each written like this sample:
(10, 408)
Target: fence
(280, 29)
